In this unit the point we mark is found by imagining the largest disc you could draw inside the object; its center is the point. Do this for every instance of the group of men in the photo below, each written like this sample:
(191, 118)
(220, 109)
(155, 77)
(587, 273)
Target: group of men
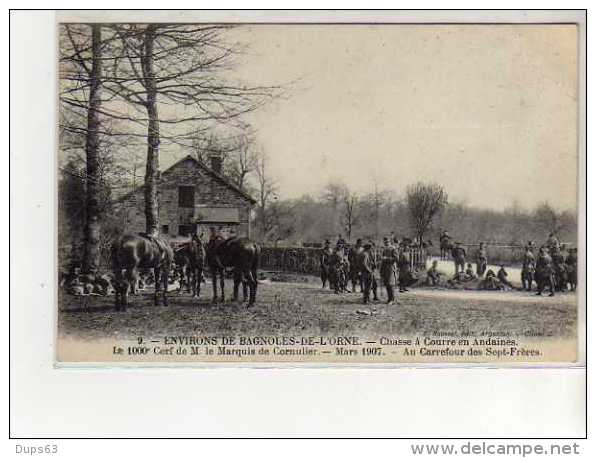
(555, 267)
(358, 265)
(550, 269)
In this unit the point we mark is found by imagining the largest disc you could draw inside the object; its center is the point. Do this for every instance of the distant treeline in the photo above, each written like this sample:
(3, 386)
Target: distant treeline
(309, 220)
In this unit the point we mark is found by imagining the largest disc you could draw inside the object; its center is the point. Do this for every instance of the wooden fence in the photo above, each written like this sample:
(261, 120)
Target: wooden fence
(304, 260)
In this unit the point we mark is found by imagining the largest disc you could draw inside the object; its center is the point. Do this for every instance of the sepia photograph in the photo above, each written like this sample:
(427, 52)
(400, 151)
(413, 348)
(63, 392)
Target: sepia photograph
(354, 193)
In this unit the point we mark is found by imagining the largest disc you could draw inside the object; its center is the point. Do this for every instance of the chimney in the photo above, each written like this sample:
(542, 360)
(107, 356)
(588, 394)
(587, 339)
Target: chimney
(216, 163)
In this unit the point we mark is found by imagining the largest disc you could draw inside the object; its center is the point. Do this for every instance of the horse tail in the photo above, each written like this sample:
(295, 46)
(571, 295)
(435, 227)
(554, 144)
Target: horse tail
(256, 259)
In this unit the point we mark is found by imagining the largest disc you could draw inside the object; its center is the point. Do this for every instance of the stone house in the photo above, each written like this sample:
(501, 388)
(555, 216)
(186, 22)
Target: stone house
(193, 198)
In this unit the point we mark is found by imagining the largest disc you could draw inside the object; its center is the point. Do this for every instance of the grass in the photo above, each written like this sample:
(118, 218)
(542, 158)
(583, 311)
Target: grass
(305, 309)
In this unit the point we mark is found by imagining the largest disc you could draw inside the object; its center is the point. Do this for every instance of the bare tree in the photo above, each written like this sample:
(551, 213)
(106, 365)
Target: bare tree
(244, 161)
(170, 78)
(178, 63)
(238, 154)
(375, 202)
(424, 201)
(350, 212)
(267, 188)
(548, 220)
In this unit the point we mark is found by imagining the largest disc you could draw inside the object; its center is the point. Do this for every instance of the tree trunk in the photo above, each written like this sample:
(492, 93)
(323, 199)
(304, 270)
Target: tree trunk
(152, 170)
(92, 219)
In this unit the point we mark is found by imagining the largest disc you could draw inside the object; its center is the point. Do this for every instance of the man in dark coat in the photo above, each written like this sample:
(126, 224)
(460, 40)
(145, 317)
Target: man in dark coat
(481, 260)
(528, 269)
(544, 272)
(559, 269)
(336, 269)
(354, 273)
(459, 257)
(324, 259)
(367, 265)
(571, 264)
(388, 269)
(405, 271)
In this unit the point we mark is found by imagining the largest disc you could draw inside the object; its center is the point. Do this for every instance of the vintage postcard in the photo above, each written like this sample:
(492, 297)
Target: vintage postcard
(290, 193)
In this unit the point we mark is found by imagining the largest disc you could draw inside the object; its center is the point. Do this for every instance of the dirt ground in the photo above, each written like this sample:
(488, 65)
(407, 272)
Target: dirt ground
(306, 309)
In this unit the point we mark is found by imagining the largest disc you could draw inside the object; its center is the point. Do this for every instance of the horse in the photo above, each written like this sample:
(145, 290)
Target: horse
(190, 262)
(132, 252)
(243, 256)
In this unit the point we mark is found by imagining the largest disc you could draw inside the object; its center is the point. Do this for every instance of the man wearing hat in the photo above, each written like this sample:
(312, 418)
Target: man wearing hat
(366, 266)
(528, 269)
(388, 269)
(544, 272)
(324, 260)
(352, 259)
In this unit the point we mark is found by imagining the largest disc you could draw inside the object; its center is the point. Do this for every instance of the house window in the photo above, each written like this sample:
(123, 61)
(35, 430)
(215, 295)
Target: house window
(165, 229)
(186, 196)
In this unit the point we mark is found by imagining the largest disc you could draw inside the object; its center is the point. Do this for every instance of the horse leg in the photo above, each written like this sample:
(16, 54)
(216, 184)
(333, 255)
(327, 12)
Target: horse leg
(165, 274)
(198, 277)
(118, 289)
(156, 273)
(253, 283)
(188, 278)
(222, 284)
(196, 285)
(124, 298)
(245, 287)
(124, 292)
(237, 280)
(133, 280)
(214, 284)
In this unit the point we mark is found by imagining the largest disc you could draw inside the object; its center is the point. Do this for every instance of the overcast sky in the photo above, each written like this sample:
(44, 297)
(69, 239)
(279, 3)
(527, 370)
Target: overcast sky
(488, 111)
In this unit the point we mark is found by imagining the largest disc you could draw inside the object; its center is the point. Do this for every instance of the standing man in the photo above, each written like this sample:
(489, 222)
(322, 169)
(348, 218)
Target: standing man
(352, 258)
(481, 260)
(335, 269)
(459, 257)
(528, 269)
(367, 266)
(405, 274)
(559, 269)
(374, 285)
(571, 263)
(388, 269)
(324, 261)
(544, 272)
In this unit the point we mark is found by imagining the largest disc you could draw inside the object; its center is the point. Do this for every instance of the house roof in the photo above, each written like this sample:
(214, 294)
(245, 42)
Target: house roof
(210, 171)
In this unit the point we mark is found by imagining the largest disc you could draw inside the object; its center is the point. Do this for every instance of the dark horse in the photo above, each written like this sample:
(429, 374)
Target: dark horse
(190, 262)
(243, 256)
(132, 252)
